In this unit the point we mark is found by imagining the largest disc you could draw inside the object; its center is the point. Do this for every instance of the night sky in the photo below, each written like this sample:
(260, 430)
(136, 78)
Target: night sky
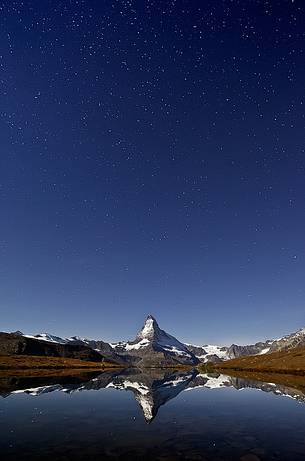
(152, 161)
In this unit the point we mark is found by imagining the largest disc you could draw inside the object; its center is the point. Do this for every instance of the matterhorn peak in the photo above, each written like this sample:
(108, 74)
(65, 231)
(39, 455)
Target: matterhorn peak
(149, 329)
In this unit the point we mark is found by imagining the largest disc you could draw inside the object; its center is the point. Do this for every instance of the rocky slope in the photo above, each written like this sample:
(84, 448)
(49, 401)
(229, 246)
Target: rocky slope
(209, 353)
(15, 344)
(99, 346)
(282, 361)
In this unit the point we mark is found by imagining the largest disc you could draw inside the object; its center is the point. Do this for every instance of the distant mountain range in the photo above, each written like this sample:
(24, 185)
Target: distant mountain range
(152, 347)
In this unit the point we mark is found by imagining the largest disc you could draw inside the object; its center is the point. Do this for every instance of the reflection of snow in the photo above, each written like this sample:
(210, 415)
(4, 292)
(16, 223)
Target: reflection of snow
(152, 389)
(176, 382)
(39, 390)
(147, 407)
(140, 387)
(212, 382)
(216, 383)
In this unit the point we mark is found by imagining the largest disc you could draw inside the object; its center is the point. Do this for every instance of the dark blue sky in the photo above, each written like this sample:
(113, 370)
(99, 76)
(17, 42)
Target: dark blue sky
(152, 161)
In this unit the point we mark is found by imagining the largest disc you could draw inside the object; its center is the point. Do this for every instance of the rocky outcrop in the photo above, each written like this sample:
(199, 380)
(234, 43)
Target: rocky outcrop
(102, 348)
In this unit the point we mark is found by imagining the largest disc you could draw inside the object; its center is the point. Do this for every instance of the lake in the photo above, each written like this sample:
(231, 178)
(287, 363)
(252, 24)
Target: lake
(150, 415)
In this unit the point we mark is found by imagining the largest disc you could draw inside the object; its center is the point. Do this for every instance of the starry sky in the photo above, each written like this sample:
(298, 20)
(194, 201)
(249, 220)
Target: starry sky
(152, 161)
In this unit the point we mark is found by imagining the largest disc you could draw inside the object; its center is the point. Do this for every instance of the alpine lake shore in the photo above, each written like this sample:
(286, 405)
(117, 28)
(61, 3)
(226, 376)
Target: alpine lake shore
(284, 367)
(282, 360)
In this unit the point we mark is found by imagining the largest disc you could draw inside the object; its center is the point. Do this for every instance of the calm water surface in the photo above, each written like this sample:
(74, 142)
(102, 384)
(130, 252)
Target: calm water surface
(156, 415)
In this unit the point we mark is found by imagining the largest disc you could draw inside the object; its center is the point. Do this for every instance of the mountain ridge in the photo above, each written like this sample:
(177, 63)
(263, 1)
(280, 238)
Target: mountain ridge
(154, 347)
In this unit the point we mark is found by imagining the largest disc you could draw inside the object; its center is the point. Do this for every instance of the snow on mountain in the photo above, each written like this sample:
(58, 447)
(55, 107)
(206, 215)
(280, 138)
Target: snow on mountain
(298, 335)
(210, 352)
(289, 341)
(150, 329)
(264, 351)
(129, 347)
(48, 337)
(152, 333)
(57, 339)
(221, 352)
(101, 347)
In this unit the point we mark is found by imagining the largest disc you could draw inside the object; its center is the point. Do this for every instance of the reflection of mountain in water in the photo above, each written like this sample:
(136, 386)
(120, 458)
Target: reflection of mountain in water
(154, 389)
(151, 388)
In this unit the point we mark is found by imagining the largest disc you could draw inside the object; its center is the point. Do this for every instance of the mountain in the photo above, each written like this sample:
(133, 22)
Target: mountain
(287, 342)
(154, 347)
(209, 353)
(16, 344)
(283, 361)
(47, 337)
(100, 347)
(212, 353)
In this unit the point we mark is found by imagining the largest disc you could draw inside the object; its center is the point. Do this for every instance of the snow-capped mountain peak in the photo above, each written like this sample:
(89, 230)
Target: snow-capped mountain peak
(299, 333)
(151, 332)
(150, 329)
(153, 344)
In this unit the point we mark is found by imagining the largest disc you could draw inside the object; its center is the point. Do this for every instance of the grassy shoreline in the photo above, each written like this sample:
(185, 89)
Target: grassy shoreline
(279, 371)
(28, 362)
(229, 370)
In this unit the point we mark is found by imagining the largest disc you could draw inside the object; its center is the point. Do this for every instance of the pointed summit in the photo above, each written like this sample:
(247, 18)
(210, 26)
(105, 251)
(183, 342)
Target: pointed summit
(150, 317)
(150, 329)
